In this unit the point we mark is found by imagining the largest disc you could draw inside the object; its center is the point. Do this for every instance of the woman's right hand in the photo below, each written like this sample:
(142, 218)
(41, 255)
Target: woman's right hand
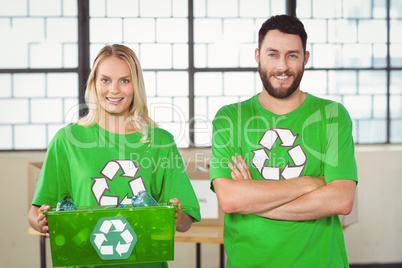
(37, 220)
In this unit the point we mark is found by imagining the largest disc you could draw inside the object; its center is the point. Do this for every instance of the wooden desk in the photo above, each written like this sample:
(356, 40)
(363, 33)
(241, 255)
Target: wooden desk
(203, 234)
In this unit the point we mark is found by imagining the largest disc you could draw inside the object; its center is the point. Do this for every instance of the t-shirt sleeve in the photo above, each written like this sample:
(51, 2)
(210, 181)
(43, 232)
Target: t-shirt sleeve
(176, 184)
(340, 162)
(51, 185)
(225, 144)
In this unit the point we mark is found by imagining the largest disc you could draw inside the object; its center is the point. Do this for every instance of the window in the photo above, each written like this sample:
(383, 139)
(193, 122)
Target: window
(354, 60)
(38, 71)
(197, 55)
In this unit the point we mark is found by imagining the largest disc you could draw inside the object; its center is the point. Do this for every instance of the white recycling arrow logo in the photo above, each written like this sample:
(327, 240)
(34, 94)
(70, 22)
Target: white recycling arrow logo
(296, 153)
(109, 171)
(113, 238)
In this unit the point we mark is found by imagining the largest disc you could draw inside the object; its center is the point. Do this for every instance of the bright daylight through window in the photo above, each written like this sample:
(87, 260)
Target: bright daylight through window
(197, 56)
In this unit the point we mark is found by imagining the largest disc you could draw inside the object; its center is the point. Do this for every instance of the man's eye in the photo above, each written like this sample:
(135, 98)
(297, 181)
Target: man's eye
(293, 56)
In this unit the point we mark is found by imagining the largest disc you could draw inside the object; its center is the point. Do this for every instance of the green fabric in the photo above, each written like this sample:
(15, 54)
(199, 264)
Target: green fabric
(315, 139)
(77, 155)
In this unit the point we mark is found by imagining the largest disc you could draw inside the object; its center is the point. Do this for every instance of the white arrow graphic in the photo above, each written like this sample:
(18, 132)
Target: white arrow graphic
(127, 236)
(271, 135)
(297, 155)
(106, 250)
(286, 136)
(110, 170)
(99, 187)
(271, 173)
(122, 248)
(259, 159)
(99, 239)
(268, 139)
(128, 167)
(105, 227)
(119, 225)
(126, 200)
(109, 200)
(137, 185)
(292, 172)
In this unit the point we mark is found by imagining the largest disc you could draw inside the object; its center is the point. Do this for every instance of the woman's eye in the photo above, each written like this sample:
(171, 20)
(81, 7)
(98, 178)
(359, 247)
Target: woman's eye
(104, 80)
(125, 81)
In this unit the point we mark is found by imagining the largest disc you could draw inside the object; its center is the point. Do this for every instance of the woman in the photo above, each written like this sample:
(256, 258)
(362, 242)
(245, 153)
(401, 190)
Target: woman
(115, 151)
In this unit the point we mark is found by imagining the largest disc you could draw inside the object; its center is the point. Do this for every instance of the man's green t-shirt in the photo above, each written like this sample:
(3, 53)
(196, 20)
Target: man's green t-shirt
(96, 167)
(315, 140)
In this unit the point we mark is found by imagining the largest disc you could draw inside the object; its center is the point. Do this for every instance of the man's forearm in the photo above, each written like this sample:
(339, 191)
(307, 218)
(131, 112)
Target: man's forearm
(257, 196)
(336, 198)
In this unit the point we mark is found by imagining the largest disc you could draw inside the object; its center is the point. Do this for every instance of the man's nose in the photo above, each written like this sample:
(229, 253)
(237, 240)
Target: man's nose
(283, 64)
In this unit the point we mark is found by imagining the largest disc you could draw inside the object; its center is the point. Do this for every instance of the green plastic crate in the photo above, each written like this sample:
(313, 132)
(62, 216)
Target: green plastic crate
(109, 235)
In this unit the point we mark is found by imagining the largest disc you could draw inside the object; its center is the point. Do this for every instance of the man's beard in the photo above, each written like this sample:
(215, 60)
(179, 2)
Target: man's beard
(276, 92)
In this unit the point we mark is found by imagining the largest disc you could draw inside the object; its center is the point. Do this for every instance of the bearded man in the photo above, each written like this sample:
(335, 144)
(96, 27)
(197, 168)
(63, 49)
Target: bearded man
(283, 165)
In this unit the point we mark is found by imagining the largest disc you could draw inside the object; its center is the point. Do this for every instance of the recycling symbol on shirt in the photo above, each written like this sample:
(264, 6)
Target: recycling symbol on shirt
(109, 171)
(295, 152)
(113, 238)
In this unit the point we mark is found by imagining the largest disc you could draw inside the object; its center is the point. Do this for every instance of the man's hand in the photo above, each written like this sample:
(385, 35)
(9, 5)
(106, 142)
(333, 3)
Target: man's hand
(240, 170)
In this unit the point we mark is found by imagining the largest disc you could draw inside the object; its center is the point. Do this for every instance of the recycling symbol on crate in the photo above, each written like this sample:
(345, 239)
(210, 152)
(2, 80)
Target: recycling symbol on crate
(109, 171)
(113, 238)
(295, 152)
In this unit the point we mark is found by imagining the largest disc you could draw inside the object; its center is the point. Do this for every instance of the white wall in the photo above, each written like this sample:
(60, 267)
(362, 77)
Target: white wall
(376, 238)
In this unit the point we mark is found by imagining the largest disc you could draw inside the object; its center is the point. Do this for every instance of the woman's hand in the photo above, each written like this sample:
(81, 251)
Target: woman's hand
(240, 170)
(37, 220)
(183, 221)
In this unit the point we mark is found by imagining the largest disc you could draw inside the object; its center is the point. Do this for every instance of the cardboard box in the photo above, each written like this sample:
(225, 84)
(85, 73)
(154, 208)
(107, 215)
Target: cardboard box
(33, 175)
(109, 235)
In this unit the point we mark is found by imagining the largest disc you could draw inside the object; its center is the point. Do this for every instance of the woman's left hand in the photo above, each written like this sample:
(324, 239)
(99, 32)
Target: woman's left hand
(183, 221)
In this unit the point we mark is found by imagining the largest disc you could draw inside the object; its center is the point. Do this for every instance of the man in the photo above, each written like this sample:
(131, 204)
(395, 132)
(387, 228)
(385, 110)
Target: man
(293, 168)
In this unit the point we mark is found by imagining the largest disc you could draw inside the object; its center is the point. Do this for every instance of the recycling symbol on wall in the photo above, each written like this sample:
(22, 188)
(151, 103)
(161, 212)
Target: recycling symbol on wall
(295, 152)
(109, 171)
(113, 238)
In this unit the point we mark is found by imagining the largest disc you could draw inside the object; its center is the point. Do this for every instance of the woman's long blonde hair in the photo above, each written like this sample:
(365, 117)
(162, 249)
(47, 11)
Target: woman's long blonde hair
(138, 109)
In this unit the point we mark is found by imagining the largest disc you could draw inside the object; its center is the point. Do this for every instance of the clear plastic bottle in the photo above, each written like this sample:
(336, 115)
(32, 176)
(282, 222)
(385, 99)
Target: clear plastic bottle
(143, 199)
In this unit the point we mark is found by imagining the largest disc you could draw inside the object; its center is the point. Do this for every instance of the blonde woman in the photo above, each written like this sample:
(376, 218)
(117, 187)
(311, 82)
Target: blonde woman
(117, 133)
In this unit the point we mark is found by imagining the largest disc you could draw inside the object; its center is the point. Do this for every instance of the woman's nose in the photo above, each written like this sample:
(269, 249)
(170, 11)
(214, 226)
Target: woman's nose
(114, 88)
